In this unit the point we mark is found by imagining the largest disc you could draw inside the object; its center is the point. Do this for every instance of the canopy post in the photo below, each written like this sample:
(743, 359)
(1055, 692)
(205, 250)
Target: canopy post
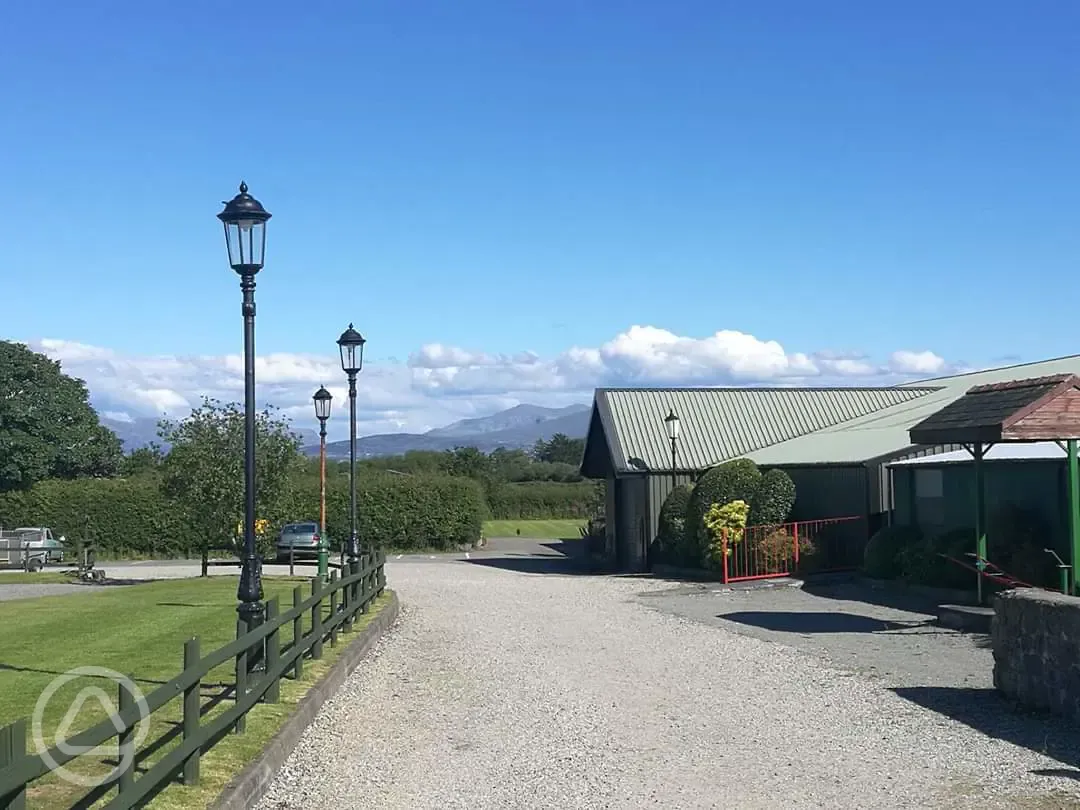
(977, 451)
(1074, 509)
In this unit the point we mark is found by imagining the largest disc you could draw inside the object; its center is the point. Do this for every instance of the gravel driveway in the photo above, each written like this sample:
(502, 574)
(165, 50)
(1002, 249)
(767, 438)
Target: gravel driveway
(503, 689)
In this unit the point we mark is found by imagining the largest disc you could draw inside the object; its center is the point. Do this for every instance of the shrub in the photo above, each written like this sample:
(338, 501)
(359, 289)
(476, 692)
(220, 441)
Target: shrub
(924, 565)
(735, 480)
(541, 500)
(726, 526)
(882, 557)
(671, 525)
(773, 499)
(776, 549)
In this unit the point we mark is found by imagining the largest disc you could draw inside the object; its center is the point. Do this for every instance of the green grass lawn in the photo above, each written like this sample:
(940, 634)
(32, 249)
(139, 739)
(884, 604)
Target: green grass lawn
(140, 631)
(536, 529)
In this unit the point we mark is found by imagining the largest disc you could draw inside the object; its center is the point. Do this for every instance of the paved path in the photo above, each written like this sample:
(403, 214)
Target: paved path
(507, 689)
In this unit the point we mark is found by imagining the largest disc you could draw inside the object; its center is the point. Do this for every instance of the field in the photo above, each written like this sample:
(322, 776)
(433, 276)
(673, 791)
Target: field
(139, 631)
(536, 529)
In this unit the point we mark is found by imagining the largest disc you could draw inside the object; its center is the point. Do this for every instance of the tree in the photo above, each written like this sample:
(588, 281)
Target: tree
(142, 461)
(559, 449)
(204, 471)
(47, 427)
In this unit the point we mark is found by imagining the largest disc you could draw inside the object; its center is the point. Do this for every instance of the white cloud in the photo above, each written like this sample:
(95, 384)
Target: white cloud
(440, 383)
(925, 362)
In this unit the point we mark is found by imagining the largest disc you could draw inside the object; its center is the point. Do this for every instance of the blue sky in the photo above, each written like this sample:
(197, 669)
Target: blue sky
(505, 177)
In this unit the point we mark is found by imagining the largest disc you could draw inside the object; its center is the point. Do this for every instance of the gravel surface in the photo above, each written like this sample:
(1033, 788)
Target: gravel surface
(29, 591)
(499, 689)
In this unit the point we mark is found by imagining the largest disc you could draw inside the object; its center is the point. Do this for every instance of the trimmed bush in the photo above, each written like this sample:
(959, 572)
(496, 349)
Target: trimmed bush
(735, 480)
(398, 511)
(773, 499)
(776, 549)
(882, 557)
(672, 525)
(124, 517)
(541, 500)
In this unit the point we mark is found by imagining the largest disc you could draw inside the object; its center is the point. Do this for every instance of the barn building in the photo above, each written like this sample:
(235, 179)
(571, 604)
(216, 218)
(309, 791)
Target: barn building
(837, 444)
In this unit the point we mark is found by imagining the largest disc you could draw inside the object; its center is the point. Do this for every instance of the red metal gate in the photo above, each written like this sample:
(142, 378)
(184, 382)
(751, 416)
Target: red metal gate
(768, 552)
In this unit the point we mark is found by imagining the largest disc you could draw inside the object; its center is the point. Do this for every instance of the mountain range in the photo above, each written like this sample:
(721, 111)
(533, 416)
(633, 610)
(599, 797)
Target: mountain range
(517, 427)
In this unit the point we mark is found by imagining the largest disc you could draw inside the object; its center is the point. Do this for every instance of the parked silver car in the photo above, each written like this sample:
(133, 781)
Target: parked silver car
(300, 539)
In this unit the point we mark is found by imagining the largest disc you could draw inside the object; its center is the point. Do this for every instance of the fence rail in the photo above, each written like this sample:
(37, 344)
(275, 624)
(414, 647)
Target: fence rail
(346, 595)
(770, 552)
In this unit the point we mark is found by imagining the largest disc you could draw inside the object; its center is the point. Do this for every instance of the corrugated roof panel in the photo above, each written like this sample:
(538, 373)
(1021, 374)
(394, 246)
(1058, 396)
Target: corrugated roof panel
(886, 432)
(718, 424)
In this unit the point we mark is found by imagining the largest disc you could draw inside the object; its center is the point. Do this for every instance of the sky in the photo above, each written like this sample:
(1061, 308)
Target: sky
(520, 201)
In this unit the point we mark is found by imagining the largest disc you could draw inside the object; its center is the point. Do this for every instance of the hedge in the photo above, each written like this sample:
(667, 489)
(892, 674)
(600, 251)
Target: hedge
(541, 500)
(131, 517)
(882, 558)
(735, 480)
(125, 517)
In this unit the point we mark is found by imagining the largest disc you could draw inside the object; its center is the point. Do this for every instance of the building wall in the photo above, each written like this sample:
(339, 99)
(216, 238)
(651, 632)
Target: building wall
(941, 497)
(631, 522)
(827, 491)
(878, 482)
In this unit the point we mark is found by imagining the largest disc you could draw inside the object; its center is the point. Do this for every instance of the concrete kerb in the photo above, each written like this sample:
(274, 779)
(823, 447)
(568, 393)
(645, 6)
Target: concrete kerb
(247, 787)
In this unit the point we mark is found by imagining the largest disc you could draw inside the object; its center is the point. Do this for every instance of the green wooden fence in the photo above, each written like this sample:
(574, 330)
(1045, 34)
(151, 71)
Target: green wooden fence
(313, 625)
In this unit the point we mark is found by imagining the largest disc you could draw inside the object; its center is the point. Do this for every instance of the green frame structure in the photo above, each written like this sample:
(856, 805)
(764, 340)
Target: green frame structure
(1039, 409)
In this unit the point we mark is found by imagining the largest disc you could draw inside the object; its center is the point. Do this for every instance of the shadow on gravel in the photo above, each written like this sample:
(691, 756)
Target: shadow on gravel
(538, 565)
(986, 711)
(824, 622)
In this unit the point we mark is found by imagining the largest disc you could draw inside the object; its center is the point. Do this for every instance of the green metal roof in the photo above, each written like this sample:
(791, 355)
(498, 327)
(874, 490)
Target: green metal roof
(724, 423)
(885, 433)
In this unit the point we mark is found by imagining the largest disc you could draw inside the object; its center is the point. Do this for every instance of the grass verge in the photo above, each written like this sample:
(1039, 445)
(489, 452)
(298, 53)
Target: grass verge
(536, 529)
(139, 631)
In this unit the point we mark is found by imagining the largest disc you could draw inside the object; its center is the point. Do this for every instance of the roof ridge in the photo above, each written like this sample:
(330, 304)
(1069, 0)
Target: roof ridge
(989, 370)
(768, 388)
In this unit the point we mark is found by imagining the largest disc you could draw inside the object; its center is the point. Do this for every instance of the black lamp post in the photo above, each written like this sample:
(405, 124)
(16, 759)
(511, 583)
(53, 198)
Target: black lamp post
(322, 399)
(671, 422)
(351, 344)
(245, 221)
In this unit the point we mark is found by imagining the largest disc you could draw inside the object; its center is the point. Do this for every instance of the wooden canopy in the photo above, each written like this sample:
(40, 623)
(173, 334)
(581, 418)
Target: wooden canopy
(1038, 409)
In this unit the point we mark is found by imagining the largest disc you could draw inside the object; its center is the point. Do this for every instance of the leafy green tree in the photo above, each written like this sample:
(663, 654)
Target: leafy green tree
(559, 449)
(467, 462)
(204, 471)
(142, 461)
(47, 427)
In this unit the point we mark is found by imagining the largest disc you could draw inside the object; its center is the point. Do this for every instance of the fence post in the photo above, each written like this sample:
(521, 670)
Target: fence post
(795, 535)
(191, 712)
(126, 739)
(241, 675)
(724, 556)
(273, 651)
(333, 608)
(12, 750)
(316, 618)
(298, 632)
(292, 559)
(365, 582)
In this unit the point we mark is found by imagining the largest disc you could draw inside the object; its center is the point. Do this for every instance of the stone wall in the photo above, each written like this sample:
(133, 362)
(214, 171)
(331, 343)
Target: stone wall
(1036, 642)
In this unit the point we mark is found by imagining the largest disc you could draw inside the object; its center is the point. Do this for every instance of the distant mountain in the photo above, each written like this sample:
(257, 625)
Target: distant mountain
(142, 430)
(139, 432)
(517, 427)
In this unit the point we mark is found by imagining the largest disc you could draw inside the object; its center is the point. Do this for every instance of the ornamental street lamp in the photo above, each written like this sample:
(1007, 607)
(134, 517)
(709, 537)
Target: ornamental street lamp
(322, 399)
(351, 343)
(245, 221)
(671, 422)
